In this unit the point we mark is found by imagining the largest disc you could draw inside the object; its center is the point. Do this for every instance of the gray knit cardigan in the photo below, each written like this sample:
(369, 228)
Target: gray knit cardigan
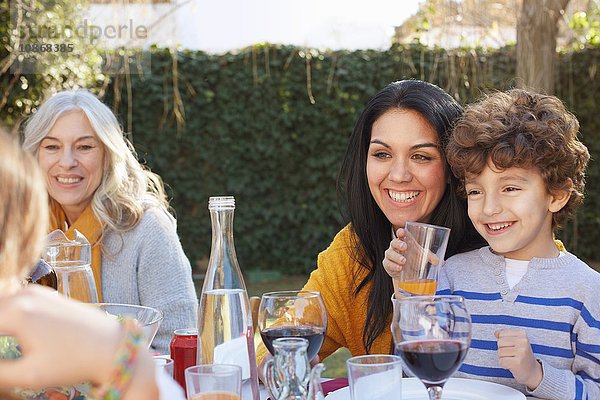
(147, 266)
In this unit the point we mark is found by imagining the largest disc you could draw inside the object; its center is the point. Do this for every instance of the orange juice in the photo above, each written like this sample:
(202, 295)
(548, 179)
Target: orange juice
(216, 395)
(419, 286)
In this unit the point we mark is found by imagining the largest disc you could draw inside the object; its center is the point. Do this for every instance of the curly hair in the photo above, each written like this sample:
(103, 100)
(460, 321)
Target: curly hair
(127, 188)
(522, 129)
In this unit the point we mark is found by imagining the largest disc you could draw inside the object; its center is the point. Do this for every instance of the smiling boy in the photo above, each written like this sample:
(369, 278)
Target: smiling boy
(535, 309)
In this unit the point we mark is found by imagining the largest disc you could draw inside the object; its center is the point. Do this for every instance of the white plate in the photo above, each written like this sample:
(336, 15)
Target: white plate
(454, 389)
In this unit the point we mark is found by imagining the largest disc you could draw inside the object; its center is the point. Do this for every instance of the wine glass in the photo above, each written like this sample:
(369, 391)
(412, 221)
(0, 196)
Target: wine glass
(71, 260)
(294, 313)
(432, 335)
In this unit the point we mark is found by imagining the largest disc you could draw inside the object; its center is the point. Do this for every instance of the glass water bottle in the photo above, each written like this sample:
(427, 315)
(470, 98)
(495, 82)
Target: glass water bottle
(225, 333)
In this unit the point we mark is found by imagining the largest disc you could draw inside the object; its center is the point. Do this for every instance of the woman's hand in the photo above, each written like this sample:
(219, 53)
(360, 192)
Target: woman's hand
(515, 354)
(394, 258)
(63, 343)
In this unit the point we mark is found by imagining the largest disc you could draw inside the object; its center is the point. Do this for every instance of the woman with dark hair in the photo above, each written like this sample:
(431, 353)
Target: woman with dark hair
(394, 171)
(384, 183)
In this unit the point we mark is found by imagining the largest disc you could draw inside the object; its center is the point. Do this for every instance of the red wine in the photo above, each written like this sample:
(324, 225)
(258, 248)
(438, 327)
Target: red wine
(313, 334)
(44, 275)
(433, 361)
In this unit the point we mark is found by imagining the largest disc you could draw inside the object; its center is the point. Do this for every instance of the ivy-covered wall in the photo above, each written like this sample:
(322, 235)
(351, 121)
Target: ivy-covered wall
(578, 86)
(269, 125)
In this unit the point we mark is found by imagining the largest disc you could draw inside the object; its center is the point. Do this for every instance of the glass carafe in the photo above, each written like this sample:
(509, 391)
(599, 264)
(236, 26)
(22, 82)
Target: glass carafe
(71, 260)
(225, 333)
(288, 373)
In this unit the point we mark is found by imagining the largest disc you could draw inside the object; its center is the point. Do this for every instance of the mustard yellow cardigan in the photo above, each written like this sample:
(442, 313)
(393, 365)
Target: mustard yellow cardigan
(346, 313)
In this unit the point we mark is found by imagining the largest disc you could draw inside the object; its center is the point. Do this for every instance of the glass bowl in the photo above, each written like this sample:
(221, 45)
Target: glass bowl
(149, 318)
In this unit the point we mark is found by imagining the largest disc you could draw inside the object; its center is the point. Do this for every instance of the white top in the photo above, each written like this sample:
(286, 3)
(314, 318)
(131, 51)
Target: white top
(515, 269)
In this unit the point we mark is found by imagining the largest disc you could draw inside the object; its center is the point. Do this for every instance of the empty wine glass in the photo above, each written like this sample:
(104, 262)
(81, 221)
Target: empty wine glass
(295, 313)
(432, 335)
(71, 260)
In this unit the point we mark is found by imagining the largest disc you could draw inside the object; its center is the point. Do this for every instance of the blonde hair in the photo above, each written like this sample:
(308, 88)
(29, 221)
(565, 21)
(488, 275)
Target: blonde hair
(23, 213)
(127, 188)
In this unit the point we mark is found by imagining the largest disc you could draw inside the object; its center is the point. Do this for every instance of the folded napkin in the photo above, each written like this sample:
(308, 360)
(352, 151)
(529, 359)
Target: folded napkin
(333, 385)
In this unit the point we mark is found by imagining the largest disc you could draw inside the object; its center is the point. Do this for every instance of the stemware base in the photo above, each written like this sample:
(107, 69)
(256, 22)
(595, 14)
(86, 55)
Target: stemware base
(435, 392)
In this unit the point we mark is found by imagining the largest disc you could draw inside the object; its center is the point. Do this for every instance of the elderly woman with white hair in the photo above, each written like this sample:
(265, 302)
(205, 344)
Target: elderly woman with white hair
(97, 186)
(61, 342)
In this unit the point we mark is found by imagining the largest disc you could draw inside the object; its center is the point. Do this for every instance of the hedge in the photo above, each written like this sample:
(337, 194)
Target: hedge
(269, 125)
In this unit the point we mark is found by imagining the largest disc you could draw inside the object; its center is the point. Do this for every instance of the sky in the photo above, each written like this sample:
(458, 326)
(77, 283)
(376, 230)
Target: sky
(218, 26)
(350, 24)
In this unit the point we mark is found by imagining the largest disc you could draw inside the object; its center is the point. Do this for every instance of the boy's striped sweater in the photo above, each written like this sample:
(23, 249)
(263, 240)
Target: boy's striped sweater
(557, 302)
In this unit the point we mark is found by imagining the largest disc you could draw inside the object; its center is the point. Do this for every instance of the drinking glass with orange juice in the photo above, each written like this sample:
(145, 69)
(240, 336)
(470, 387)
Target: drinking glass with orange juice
(214, 382)
(425, 250)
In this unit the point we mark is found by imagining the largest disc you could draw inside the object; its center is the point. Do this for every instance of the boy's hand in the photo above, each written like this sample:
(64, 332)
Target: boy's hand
(394, 256)
(515, 354)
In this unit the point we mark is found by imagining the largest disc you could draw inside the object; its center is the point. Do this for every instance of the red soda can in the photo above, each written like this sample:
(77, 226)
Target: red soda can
(183, 348)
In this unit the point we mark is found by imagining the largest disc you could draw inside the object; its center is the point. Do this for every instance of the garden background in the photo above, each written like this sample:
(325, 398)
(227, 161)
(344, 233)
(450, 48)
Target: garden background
(269, 125)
